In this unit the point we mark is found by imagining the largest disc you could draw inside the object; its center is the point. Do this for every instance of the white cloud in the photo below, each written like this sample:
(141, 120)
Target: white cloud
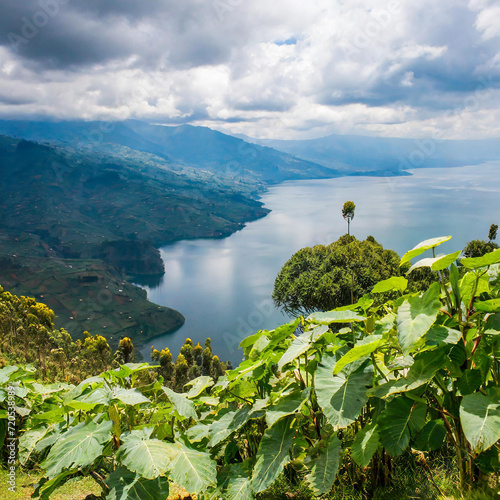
(399, 68)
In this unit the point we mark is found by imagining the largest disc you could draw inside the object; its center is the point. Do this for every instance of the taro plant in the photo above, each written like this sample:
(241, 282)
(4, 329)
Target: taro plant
(348, 388)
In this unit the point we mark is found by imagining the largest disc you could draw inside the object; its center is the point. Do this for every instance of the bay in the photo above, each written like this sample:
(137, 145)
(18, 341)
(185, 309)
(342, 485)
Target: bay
(223, 287)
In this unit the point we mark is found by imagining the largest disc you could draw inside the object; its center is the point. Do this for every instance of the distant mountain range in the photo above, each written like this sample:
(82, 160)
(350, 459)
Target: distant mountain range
(363, 155)
(196, 147)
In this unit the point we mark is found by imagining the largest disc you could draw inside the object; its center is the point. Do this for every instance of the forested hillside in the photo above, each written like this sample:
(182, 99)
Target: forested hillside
(75, 223)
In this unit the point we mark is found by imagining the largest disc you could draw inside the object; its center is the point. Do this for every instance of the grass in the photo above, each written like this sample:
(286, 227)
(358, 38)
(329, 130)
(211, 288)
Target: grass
(409, 480)
(74, 489)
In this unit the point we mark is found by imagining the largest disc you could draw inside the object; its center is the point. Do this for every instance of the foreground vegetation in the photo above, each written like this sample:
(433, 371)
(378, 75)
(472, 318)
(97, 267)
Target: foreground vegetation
(342, 401)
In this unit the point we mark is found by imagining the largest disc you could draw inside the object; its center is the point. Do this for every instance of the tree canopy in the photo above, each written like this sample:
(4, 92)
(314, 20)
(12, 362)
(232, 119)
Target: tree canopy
(326, 277)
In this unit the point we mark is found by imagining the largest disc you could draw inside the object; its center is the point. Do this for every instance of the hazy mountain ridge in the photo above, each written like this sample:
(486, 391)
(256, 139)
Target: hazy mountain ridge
(356, 154)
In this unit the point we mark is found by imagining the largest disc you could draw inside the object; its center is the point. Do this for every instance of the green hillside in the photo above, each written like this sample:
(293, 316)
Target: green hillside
(74, 224)
(200, 148)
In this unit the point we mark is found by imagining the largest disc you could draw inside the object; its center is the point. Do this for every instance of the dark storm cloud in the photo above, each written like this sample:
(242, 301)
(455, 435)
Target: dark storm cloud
(52, 35)
(11, 100)
(76, 33)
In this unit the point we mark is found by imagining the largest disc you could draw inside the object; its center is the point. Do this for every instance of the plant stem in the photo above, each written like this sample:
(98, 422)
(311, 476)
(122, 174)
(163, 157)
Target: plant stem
(377, 367)
(100, 481)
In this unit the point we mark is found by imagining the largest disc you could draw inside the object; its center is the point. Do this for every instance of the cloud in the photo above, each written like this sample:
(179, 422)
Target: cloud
(271, 69)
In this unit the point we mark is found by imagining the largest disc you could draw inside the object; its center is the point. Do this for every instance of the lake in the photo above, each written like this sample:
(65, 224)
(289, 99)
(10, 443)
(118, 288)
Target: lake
(223, 287)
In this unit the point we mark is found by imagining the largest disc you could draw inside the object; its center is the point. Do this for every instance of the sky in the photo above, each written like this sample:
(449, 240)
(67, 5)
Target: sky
(281, 69)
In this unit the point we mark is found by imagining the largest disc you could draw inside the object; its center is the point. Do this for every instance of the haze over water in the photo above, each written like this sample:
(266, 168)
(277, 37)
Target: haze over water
(223, 287)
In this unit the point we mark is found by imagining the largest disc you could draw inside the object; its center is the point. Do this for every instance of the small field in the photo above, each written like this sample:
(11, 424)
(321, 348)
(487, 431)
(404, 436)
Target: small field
(87, 295)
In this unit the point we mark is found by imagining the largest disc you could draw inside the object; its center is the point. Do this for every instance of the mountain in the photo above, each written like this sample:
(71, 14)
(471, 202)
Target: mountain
(195, 147)
(76, 201)
(74, 223)
(362, 155)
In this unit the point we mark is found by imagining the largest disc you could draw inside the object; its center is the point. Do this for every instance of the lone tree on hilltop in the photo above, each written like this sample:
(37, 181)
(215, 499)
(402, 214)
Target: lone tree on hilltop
(348, 213)
(492, 235)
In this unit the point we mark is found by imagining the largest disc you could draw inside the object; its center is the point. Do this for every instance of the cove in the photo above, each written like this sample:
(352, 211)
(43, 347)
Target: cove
(223, 287)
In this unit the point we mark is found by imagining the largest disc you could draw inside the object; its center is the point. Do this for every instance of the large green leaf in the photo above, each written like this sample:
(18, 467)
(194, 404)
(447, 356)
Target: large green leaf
(149, 458)
(78, 447)
(492, 305)
(299, 346)
(395, 283)
(436, 263)
(423, 369)
(469, 382)
(45, 488)
(273, 454)
(197, 433)
(129, 369)
(126, 485)
(365, 445)
(485, 260)
(278, 335)
(432, 436)
(489, 461)
(318, 331)
(238, 482)
(401, 419)
(247, 343)
(440, 334)
(6, 372)
(492, 325)
(341, 397)
(192, 469)
(325, 466)
(198, 385)
(259, 346)
(422, 247)
(286, 405)
(472, 285)
(130, 397)
(230, 422)
(325, 318)
(96, 396)
(183, 405)
(480, 418)
(28, 441)
(415, 317)
(363, 348)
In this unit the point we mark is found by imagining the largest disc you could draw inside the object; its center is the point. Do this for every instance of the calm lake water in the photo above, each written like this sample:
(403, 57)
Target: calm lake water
(223, 287)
